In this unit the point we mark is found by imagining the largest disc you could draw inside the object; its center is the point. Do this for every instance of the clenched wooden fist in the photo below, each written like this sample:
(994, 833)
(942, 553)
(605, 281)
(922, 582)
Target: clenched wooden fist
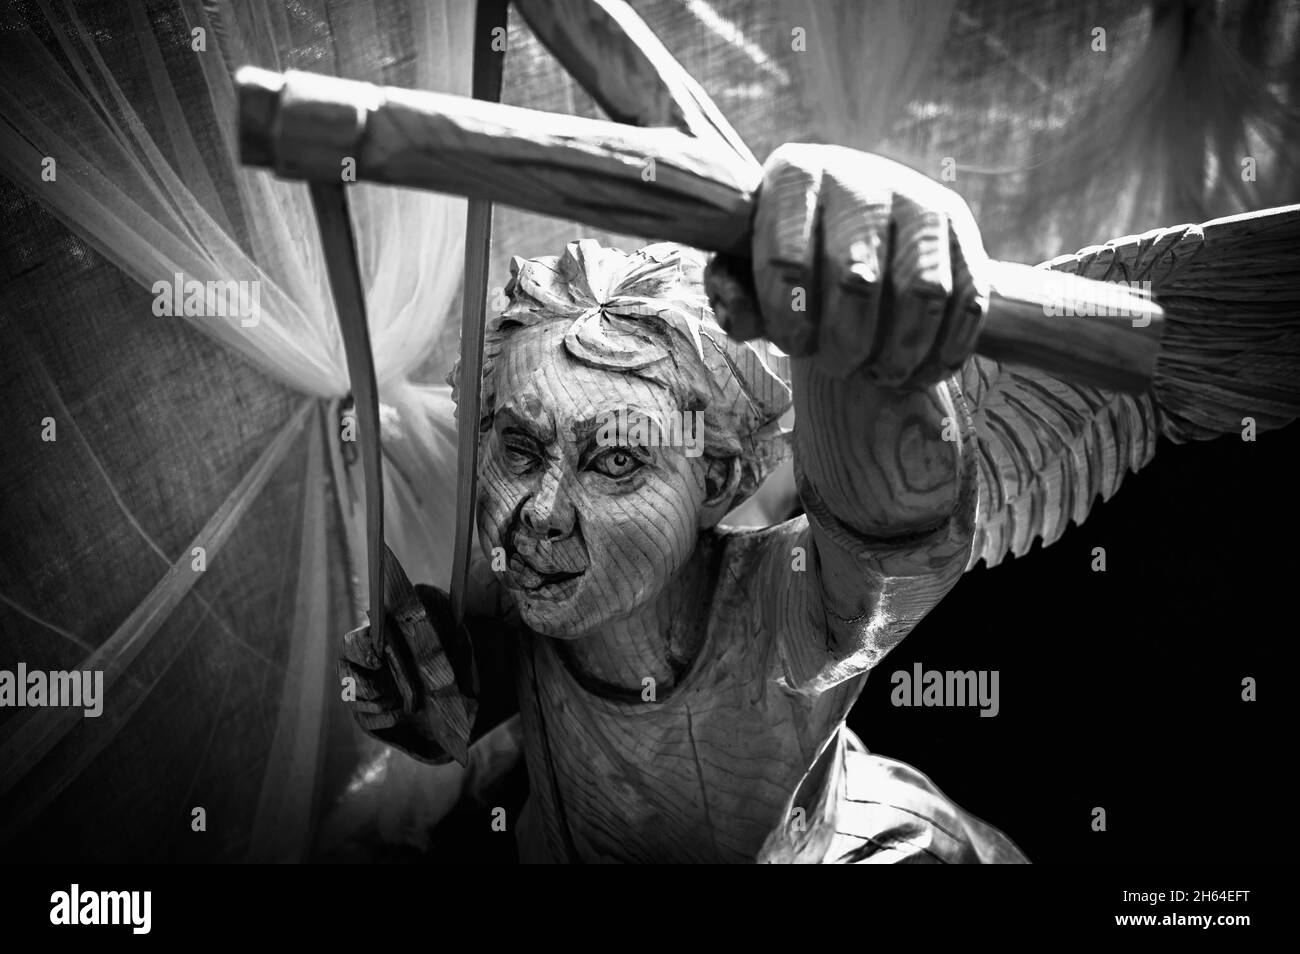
(861, 262)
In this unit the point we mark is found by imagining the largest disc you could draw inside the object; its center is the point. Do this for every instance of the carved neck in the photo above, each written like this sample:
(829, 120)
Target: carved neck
(659, 641)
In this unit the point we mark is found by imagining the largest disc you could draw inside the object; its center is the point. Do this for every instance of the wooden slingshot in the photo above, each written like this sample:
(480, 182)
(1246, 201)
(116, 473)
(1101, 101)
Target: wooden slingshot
(304, 126)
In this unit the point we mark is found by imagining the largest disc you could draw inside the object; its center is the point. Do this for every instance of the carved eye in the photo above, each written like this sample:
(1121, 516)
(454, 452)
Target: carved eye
(616, 463)
(520, 454)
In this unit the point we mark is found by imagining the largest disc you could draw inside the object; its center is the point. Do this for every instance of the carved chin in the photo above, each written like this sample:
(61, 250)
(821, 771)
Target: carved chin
(546, 593)
(551, 614)
(548, 607)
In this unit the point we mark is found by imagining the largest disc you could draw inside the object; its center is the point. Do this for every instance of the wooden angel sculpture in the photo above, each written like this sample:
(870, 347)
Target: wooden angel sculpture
(683, 690)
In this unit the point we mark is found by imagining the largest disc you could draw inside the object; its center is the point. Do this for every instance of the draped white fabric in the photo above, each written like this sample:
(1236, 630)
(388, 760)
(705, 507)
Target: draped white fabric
(155, 197)
(145, 162)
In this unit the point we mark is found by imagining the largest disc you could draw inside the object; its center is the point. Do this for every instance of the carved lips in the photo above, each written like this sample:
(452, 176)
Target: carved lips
(543, 569)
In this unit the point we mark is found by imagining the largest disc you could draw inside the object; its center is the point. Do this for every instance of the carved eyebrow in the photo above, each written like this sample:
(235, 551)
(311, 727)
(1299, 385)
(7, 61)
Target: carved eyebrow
(542, 430)
(589, 427)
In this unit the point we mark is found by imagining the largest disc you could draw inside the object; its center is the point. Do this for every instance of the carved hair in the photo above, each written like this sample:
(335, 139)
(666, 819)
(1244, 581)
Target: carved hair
(645, 313)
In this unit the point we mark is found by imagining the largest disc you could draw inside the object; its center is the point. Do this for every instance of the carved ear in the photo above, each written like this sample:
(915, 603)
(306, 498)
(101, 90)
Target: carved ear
(721, 481)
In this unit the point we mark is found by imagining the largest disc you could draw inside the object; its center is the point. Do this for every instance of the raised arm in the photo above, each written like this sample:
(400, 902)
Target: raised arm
(863, 272)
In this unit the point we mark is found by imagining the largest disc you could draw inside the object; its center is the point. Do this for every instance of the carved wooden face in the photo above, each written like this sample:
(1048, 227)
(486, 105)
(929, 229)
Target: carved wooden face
(589, 530)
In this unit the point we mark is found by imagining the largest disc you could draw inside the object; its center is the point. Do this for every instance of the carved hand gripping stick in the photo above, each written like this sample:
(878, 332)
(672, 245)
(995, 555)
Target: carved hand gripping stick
(701, 194)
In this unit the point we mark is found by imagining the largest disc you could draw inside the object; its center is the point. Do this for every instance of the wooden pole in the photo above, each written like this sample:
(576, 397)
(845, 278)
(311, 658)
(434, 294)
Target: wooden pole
(339, 245)
(659, 183)
(488, 65)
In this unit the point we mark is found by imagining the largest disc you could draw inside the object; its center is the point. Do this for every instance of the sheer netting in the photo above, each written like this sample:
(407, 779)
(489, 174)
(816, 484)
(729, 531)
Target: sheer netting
(120, 120)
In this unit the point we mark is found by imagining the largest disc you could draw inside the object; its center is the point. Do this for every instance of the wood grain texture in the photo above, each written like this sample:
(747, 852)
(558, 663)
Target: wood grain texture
(890, 507)
(1047, 449)
(682, 689)
(741, 759)
(877, 458)
(488, 67)
(637, 181)
(303, 125)
(699, 192)
(1232, 345)
(711, 770)
(1115, 349)
(339, 247)
(754, 644)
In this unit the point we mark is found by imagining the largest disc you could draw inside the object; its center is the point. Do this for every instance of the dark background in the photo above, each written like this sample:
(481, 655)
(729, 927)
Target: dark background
(1122, 689)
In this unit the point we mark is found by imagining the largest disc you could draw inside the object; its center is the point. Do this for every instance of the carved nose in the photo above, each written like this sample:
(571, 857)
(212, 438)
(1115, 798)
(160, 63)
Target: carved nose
(548, 512)
(551, 532)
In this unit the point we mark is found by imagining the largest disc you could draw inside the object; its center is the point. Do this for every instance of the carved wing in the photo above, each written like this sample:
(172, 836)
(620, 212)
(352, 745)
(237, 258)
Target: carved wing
(1047, 449)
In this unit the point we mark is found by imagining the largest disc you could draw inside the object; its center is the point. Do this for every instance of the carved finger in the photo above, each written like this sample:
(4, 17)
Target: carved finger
(424, 649)
(395, 668)
(969, 303)
(377, 721)
(729, 283)
(402, 671)
(358, 649)
(854, 252)
(373, 688)
(784, 247)
(920, 280)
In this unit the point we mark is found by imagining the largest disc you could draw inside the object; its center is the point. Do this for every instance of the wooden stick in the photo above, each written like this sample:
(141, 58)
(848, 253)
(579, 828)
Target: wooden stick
(303, 125)
(659, 183)
(486, 85)
(337, 240)
(627, 70)
(1102, 334)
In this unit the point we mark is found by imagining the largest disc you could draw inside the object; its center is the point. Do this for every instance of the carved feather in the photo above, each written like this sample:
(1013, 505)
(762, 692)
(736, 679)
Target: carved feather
(1047, 449)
